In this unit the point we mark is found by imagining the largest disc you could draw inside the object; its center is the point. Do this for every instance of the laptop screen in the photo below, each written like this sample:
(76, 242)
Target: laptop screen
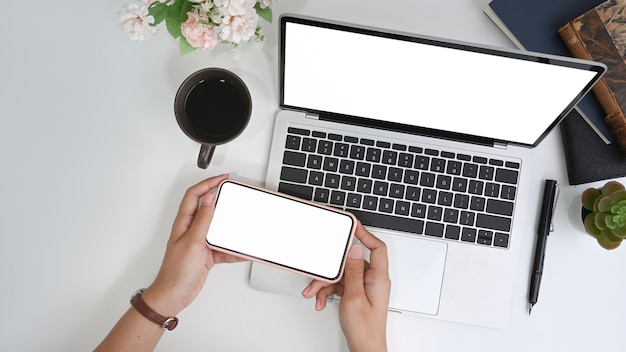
(452, 89)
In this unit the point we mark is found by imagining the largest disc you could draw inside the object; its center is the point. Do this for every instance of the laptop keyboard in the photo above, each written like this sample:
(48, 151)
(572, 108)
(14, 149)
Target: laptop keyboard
(423, 191)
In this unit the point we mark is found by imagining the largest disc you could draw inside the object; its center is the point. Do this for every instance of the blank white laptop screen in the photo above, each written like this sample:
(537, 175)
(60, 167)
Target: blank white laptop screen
(425, 85)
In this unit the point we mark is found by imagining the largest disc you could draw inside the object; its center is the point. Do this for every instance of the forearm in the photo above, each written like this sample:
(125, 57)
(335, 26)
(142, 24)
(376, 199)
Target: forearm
(133, 332)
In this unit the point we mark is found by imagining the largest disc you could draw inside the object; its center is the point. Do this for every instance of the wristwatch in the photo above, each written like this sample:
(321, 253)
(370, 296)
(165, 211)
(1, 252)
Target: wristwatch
(137, 302)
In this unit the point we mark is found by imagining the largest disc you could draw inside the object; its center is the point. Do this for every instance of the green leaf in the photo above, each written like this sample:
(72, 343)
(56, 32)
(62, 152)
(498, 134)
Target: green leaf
(590, 226)
(176, 16)
(611, 187)
(608, 242)
(588, 198)
(159, 11)
(264, 13)
(184, 46)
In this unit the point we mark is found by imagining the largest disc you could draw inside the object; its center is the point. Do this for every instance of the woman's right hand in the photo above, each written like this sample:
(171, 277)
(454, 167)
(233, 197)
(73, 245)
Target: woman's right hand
(364, 295)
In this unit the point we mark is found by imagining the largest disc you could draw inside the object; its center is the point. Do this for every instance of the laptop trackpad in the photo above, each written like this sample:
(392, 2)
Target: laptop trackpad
(415, 267)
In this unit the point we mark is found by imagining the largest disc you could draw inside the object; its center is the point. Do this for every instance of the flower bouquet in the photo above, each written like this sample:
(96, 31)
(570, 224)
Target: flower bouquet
(199, 24)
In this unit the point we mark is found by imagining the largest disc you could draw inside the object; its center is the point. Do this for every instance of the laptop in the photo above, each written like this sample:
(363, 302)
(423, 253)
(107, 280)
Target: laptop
(428, 142)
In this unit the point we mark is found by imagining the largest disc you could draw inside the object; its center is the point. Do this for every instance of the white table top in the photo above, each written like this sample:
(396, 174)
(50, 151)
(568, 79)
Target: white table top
(94, 166)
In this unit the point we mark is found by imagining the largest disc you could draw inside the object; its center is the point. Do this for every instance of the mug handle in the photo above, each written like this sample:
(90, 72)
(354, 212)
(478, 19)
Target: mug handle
(206, 153)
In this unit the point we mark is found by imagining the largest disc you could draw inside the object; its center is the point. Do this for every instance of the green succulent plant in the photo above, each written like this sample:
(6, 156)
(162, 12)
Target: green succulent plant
(606, 218)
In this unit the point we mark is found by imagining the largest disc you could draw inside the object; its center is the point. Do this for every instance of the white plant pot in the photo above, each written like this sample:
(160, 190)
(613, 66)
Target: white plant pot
(575, 215)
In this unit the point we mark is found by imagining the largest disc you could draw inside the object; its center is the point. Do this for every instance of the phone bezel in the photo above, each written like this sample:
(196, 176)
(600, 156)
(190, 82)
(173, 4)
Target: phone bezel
(270, 262)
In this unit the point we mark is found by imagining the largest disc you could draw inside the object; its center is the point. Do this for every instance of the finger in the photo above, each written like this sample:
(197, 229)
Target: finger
(202, 219)
(378, 256)
(313, 288)
(354, 271)
(189, 204)
(220, 257)
(321, 298)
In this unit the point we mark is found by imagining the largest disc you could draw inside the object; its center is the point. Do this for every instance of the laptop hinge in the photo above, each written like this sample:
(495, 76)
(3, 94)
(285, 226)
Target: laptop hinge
(500, 145)
(312, 116)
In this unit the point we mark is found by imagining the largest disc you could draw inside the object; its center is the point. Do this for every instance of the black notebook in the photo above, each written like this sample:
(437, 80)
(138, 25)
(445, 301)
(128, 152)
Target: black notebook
(534, 24)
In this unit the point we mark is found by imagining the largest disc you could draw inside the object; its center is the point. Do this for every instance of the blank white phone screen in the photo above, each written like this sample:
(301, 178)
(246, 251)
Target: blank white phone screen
(280, 230)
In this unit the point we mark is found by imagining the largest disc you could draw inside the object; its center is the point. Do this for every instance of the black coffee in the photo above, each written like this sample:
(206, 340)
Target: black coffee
(217, 109)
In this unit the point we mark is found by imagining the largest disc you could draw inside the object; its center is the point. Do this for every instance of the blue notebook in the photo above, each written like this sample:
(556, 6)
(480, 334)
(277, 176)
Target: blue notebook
(533, 25)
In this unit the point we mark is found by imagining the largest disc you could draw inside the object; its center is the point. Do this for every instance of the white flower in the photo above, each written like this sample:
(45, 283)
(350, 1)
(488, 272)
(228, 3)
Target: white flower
(136, 22)
(150, 2)
(267, 3)
(239, 28)
(235, 7)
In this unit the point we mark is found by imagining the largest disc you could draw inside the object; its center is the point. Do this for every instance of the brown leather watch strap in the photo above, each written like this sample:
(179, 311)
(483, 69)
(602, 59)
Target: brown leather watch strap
(137, 302)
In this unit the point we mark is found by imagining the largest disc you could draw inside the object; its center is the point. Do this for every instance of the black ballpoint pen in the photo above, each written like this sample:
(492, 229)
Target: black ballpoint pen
(550, 193)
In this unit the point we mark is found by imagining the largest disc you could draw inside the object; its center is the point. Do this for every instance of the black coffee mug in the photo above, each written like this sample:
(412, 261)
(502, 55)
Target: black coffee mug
(212, 107)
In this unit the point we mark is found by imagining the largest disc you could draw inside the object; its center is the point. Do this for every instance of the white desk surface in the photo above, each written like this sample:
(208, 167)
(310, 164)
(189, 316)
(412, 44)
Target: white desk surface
(94, 166)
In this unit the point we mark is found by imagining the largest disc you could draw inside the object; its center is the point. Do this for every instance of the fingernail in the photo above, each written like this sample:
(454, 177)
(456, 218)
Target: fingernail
(318, 304)
(208, 199)
(356, 252)
(306, 291)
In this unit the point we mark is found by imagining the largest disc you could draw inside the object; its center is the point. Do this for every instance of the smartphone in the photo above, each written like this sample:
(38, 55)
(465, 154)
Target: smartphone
(281, 230)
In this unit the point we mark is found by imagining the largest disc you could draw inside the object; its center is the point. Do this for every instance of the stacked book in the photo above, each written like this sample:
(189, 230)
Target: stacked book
(591, 132)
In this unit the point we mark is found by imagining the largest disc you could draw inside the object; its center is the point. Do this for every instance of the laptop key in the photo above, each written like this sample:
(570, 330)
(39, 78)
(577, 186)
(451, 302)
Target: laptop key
(390, 157)
(501, 240)
(300, 131)
(507, 176)
(379, 172)
(294, 158)
(354, 200)
(437, 165)
(341, 150)
(309, 145)
(493, 222)
(452, 232)
(337, 198)
(314, 162)
(468, 235)
(293, 175)
(373, 155)
(385, 205)
(364, 185)
(434, 229)
(300, 191)
(484, 237)
(389, 222)
(363, 169)
(402, 208)
(292, 142)
(357, 152)
(321, 195)
(499, 207)
(325, 147)
(370, 203)
(332, 181)
(316, 178)
(394, 174)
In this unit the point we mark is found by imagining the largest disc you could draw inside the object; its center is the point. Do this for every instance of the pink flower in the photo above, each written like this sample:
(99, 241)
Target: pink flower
(199, 35)
(239, 28)
(136, 22)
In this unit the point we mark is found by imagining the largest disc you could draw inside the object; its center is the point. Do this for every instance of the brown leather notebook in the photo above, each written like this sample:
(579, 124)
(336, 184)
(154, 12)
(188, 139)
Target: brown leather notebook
(600, 35)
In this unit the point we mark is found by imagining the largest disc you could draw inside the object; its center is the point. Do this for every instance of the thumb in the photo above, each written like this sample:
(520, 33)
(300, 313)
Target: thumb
(202, 219)
(354, 271)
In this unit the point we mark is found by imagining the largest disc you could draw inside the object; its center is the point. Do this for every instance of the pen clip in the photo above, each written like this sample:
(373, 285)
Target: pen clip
(556, 197)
